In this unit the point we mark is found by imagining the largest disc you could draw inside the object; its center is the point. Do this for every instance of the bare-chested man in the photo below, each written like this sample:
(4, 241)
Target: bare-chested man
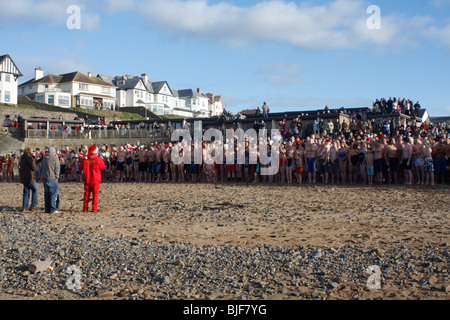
(378, 161)
(311, 150)
(143, 163)
(406, 159)
(368, 160)
(166, 161)
(299, 158)
(68, 158)
(121, 157)
(440, 162)
(151, 163)
(391, 159)
(208, 163)
(323, 155)
(283, 162)
(159, 163)
(334, 159)
(417, 155)
(290, 150)
(428, 163)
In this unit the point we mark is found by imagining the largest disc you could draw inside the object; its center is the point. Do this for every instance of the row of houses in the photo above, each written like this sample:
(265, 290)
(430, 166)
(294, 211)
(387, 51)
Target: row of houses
(86, 91)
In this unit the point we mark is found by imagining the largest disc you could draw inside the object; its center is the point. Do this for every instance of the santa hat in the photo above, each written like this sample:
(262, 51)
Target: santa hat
(92, 149)
(328, 140)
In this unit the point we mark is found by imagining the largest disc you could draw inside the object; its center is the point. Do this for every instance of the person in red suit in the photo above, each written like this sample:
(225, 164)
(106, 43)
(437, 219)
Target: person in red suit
(92, 165)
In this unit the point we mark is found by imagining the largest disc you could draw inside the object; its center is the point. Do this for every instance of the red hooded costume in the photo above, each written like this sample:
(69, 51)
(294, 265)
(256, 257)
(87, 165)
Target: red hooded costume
(92, 166)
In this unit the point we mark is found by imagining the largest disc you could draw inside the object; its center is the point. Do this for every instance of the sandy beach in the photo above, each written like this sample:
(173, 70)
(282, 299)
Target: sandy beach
(399, 224)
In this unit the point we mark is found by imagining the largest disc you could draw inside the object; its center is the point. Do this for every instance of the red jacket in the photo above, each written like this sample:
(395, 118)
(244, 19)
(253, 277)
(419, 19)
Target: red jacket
(92, 167)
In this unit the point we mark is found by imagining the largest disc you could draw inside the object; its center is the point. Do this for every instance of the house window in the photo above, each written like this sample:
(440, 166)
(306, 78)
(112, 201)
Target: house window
(51, 99)
(0, 76)
(105, 90)
(83, 87)
(7, 96)
(41, 99)
(63, 101)
(7, 77)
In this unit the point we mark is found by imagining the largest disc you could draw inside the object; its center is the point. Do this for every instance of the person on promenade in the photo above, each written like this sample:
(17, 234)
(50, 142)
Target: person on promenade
(92, 176)
(27, 175)
(50, 169)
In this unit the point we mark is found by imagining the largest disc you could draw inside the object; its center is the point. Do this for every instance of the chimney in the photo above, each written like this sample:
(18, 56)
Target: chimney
(145, 77)
(38, 73)
(89, 74)
(199, 90)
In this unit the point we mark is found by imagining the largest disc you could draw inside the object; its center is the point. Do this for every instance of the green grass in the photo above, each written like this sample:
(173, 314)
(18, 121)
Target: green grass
(173, 116)
(20, 106)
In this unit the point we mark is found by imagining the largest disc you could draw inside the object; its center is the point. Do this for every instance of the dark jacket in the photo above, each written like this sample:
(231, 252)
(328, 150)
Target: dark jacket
(27, 169)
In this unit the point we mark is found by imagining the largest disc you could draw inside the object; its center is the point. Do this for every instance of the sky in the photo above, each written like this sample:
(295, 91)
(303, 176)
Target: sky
(294, 55)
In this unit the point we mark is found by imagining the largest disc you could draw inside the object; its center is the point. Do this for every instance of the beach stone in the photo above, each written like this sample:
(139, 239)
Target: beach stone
(105, 294)
(317, 253)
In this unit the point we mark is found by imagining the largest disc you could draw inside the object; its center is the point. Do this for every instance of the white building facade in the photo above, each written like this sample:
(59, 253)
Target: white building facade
(9, 75)
(70, 90)
(159, 98)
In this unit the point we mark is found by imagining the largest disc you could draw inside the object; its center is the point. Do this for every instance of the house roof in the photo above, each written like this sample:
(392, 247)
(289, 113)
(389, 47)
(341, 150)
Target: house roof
(421, 113)
(69, 77)
(10, 67)
(157, 86)
(189, 93)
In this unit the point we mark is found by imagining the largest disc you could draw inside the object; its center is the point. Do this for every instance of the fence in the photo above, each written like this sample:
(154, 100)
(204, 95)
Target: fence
(131, 134)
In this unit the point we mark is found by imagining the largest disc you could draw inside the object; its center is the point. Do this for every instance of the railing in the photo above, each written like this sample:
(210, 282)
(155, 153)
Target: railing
(97, 134)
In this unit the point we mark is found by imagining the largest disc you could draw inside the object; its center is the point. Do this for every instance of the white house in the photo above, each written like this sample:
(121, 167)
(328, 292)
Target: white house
(159, 98)
(9, 75)
(70, 90)
(216, 105)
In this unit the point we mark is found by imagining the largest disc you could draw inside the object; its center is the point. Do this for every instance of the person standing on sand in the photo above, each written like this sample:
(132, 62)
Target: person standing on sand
(27, 173)
(378, 161)
(50, 174)
(407, 155)
(428, 163)
(92, 176)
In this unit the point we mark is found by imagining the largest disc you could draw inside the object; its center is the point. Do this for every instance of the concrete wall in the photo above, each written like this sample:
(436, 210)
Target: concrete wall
(77, 143)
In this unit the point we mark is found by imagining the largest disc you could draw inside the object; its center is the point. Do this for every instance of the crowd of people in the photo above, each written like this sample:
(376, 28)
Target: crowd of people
(396, 105)
(359, 152)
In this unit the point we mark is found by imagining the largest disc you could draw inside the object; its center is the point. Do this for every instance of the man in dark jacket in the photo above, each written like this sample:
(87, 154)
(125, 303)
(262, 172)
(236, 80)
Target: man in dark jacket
(27, 173)
(50, 174)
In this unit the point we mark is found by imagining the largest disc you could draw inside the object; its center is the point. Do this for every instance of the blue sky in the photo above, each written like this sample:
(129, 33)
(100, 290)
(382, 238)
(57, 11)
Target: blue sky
(295, 55)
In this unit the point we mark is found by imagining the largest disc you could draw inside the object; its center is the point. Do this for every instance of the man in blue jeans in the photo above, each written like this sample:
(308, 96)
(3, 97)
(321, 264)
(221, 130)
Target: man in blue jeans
(50, 174)
(27, 173)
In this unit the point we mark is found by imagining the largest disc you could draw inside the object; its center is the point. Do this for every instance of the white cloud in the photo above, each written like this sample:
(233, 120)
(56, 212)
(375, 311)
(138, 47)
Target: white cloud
(118, 5)
(339, 24)
(440, 34)
(46, 11)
